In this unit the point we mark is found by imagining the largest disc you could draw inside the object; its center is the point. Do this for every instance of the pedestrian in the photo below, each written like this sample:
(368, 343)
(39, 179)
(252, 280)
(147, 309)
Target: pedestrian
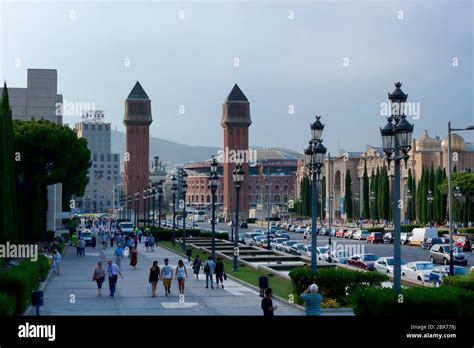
(181, 275)
(151, 243)
(99, 277)
(209, 268)
(134, 257)
(94, 241)
(118, 253)
(312, 300)
(56, 261)
(140, 236)
(147, 248)
(219, 272)
(111, 240)
(113, 271)
(78, 247)
(83, 246)
(154, 277)
(167, 277)
(196, 265)
(267, 303)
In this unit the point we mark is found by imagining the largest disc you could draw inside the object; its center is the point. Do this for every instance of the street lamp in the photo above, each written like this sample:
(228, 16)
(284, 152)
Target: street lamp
(372, 200)
(356, 199)
(145, 195)
(457, 196)
(430, 198)
(409, 198)
(174, 188)
(153, 198)
(396, 138)
(213, 186)
(160, 197)
(238, 177)
(137, 198)
(314, 156)
(450, 187)
(184, 188)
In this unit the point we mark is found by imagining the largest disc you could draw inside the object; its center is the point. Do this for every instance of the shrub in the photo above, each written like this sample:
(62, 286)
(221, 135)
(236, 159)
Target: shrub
(7, 304)
(463, 282)
(466, 230)
(251, 220)
(66, 236)
(443, 301)
(375, 229)
(59, 247)
(219, 235)
(334, 283)
(408, 228)
(330, 303)
(43, 266)
(167, 234)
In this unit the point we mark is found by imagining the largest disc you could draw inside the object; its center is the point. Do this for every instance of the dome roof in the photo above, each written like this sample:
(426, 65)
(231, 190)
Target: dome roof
(457, 143)
(426, 143)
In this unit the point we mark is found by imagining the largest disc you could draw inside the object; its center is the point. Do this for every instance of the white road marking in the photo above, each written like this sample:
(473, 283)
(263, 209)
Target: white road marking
(172, 305)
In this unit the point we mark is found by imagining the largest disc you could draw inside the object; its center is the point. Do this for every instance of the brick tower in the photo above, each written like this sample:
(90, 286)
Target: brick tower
(137, 120)
(235, 121)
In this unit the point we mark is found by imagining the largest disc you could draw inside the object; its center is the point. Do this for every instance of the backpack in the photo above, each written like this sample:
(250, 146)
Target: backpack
(207, 269)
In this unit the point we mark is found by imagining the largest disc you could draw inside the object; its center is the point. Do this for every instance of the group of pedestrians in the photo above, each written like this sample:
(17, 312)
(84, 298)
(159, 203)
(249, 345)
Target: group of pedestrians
(210, 269)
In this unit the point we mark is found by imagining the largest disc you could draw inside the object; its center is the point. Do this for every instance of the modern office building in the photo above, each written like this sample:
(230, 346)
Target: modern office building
(103, 190)
(40, 100)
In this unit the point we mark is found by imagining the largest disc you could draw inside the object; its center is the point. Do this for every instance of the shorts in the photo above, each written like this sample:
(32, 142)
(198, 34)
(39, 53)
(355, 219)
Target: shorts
(180, 279)
(167, 282)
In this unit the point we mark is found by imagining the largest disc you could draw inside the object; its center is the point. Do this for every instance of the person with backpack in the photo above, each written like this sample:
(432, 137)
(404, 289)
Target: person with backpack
(209, 268)
(196, 265)
(220, 272)
(167, 277)
(153, 277)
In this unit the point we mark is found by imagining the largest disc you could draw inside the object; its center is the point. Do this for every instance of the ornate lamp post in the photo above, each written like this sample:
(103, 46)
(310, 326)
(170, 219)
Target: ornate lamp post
(137, 199)
(238, 177)
(457, 196)
(160, 197)
(396, 138)
(145, 195)
(430, 198)
(184, 188)
(314, 156)
(174, 188)
(153, 198)
(213, 178)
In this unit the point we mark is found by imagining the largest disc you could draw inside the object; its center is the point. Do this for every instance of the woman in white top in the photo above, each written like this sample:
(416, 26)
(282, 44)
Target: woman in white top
(181, 275)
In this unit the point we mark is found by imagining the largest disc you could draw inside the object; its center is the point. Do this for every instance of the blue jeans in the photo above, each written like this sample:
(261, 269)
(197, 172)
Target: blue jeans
(209, 276)
(113, 284)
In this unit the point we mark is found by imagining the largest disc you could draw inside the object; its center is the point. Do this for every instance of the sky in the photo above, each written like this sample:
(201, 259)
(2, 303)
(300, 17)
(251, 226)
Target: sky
(292, 59)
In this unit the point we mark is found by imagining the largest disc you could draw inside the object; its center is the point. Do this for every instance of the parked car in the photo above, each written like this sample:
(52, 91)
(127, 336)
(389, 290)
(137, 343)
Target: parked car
(388, 237)
(307, 251)
(297, 249)
(462, 241)
(348, 234)
(364, 261)
(258, 239)
(292, 228)
(285, 246)
(337, 256)
(331, 232)
(300, 229)
(340, 233)
(275, 244)
(420, 234)
(87, 236)
(249, 237)
(404, 238)
(440, 253)
(429, 242)
(244, 225)
(320, 251)
(282, 234)
(385, 264)
(417, 270)
(322, 231)
(360, 234)
(375, 237)
(440, 272)
(263, 242)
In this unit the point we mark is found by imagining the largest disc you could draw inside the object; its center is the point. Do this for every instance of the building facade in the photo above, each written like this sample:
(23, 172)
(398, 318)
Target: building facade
(103, 190)
(40, 100)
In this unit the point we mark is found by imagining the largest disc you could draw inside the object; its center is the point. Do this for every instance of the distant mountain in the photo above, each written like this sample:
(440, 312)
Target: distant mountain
(170, 153)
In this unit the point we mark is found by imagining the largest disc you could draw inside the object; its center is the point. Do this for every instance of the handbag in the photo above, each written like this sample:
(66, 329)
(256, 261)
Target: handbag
(148, 288)
(225, 276)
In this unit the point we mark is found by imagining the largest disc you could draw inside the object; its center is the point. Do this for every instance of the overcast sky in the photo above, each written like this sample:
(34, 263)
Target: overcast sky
(334, 58)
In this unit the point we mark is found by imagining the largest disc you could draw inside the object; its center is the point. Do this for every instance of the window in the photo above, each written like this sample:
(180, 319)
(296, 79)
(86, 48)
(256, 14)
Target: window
(202, 198)
(208, 199)
(95, 157)
(86, 126)
(99, 127)
(108, 158)
(102, 157)
(92, 127)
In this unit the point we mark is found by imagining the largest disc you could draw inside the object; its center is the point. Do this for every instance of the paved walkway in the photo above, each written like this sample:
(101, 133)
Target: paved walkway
(74, 293)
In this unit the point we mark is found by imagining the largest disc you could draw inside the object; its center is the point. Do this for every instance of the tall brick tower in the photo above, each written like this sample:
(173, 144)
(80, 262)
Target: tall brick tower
(137, 120)
(235, 121)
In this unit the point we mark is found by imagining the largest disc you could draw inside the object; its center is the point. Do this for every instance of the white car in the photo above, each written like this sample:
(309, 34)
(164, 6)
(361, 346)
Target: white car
(300, 229)
(286, 246)
(360, 235)
(306, 251)
(321, 251)
(338, 256)
(385, 265)
(418, 270)
(275, 244)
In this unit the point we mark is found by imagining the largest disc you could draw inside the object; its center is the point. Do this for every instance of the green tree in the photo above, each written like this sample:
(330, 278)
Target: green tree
(365, 193)
(373, 191)
(409, 211)
(51, 154)
(8, 198)
(323, 198)
(348, 195)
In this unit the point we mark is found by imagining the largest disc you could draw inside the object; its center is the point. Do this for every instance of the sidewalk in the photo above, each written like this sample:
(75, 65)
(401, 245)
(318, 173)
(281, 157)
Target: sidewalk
(74, 293)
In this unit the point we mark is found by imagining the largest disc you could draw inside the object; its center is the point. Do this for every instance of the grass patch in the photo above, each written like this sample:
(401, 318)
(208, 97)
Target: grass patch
(281, 287)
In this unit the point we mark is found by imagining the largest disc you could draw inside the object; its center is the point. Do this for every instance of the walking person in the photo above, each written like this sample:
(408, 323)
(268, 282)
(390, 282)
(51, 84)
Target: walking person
(83, 247)
(167, 277)
(118, 253)
(147, 247)
(56, 261)
(111, 240)
(113, 271)
(209, 268)
(134, 257)
(151, 243)
(219, 272)
(78, 247)
(181, 275)
(99, 277)
(267, 304)
(196, 265)
(153, 277)
(94, 241)
(312, 300)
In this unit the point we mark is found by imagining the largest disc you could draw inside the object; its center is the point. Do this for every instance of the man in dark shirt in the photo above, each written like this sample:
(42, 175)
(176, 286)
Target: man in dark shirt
(267, 304)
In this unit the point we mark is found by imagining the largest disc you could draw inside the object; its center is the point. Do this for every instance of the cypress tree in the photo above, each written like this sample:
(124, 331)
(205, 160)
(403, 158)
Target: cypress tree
(8, 200)
(323, 198)
(365, 193)
(408, 211)
(348, 195)
(373, 190)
